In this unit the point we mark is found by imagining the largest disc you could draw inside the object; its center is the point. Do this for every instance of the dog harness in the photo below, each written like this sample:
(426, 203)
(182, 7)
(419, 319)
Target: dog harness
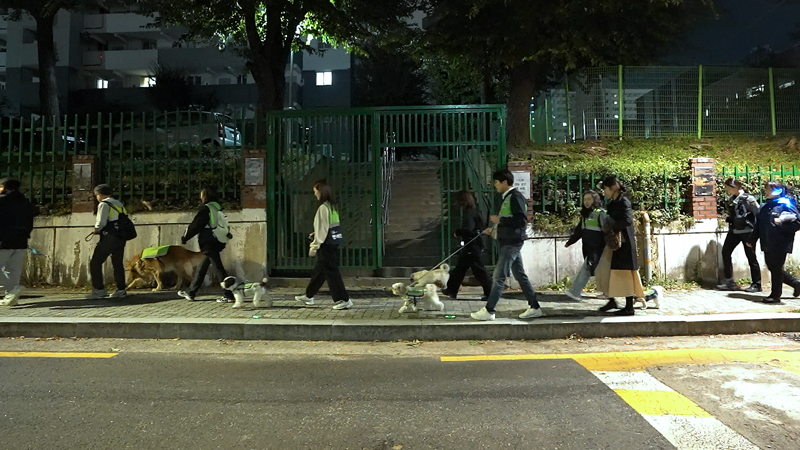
(155, 252)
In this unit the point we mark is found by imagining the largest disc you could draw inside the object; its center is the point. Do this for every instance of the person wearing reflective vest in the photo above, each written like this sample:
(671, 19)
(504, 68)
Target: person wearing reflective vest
(326, 239)
(202, 226)
(110, 244)
(509, 231)
(590, 232)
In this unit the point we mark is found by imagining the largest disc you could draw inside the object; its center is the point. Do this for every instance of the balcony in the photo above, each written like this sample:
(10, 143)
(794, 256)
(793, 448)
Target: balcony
(123, 23)
(123, 60)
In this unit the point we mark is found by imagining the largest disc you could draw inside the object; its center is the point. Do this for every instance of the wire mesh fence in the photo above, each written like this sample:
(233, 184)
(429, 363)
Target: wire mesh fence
(652, 102)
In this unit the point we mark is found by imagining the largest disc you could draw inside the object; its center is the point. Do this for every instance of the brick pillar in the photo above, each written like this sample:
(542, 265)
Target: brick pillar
(254, 188)
(703, 194)
(522, 181)
(83, 180)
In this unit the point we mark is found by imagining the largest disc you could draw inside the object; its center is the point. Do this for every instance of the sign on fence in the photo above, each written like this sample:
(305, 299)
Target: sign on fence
(522, 181)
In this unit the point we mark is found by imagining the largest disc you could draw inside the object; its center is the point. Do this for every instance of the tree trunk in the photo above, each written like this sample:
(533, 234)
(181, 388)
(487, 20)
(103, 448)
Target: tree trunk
(268, 73)
(523, 87)
(48, 85)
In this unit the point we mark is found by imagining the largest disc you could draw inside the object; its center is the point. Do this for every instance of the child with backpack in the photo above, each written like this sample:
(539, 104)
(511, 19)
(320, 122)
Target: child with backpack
(210, 226)
(590, 231)
(114, 228)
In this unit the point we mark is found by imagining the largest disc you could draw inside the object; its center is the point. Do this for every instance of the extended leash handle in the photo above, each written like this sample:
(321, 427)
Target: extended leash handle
(89, 237)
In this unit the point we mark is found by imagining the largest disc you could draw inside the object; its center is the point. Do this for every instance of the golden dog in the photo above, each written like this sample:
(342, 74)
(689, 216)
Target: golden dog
(178, 260)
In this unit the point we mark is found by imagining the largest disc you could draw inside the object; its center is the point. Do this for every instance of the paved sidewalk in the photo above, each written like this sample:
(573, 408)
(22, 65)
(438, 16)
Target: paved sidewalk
(145, 314)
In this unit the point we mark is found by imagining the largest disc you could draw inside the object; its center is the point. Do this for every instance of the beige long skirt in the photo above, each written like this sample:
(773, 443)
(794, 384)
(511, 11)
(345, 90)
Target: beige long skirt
(617, 283)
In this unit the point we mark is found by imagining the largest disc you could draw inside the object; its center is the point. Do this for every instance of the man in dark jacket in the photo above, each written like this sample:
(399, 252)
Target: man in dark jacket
(201, 227)
(509, 231)
(776, 223)
(16, 224)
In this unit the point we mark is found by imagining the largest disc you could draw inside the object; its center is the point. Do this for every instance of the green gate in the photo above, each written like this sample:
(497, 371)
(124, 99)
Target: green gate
(354, 149)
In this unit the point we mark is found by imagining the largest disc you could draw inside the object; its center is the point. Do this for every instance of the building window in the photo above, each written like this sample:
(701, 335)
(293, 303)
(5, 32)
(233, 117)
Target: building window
(148, 82)
(102, 84)
(324, 78)
(241, 79)
(149, 45)
(194, 80)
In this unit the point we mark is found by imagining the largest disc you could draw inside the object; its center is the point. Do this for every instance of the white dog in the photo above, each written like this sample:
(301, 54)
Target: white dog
(261, 298)
(658, 293)
(429, 301)
(438, 276)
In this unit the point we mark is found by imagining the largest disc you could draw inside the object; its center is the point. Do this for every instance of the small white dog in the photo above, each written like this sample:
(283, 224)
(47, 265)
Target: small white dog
(658, 293)
(438, 276)
(429, 301)
(241, 290)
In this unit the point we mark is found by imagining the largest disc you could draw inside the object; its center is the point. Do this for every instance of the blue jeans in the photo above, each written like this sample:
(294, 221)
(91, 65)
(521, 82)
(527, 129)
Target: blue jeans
(510, 261)
(580, 280)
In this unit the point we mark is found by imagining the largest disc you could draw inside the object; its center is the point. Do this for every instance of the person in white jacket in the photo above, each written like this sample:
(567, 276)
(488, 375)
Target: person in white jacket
(325, 242)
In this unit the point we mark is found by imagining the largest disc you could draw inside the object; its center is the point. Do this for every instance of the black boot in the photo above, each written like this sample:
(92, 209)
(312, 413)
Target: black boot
(612, 304)
(796, 292)
(756, 287)
(728, 285)
(628, 309)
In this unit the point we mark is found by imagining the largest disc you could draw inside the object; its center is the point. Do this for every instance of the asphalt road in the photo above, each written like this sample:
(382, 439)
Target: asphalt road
(207, 401)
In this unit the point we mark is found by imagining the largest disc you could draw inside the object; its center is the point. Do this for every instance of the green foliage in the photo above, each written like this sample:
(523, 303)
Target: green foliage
(172, 90)
(388, 76)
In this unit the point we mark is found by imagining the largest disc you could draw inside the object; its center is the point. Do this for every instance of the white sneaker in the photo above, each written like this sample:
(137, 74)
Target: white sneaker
(483, 314)
(569, 294)
(341, 304)
(531, 313)
(186, 295)
(305, 300)
(97, 293)
(119, 293)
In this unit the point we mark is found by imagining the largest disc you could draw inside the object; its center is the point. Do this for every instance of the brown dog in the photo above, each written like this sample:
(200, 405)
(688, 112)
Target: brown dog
(178, 260)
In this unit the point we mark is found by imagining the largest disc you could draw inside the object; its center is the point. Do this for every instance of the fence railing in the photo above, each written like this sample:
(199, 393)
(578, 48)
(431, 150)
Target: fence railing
(648, 102)
(754, 178)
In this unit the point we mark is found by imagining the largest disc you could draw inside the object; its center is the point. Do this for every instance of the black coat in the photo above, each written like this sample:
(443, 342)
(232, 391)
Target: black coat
(16, 220)
(620, 218)
(205, 236)
(472, 225)
(775, 238)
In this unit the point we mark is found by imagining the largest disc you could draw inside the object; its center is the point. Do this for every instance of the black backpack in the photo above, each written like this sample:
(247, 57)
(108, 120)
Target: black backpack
(123, 227)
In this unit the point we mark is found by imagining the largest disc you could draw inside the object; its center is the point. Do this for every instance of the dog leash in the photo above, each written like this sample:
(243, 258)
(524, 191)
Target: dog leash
(462, 248)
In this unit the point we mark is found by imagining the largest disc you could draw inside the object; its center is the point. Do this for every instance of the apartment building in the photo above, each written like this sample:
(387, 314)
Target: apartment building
(106, 60)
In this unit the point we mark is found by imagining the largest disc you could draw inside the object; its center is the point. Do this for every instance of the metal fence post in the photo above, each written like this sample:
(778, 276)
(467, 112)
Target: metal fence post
(377, 260)
(772, 103)
(620, 94)
(700, 102)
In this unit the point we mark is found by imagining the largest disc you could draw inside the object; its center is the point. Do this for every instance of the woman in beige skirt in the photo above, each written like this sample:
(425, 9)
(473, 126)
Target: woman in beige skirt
(617, 272)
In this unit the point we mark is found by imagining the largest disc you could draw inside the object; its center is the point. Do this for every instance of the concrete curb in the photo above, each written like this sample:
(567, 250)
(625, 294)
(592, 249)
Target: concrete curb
(404, 329)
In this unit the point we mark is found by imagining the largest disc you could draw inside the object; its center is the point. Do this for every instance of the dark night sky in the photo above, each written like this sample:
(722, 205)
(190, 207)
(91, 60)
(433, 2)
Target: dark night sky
(741, 26)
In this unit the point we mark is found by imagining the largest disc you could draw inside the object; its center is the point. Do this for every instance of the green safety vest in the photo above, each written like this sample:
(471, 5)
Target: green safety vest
(505, 208)
(592, 223)
(335, 236)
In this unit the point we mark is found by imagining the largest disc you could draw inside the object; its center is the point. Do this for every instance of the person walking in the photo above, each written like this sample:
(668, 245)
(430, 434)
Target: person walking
(471, 235)
(776, 223)
(509, 231)
(742, 212)
(617, 273)
(16, 224)
(202, 226)
(326, 239)
(111, 244)
(590, 232)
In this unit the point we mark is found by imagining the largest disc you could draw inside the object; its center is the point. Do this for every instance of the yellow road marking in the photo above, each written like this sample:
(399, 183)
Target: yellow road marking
(661, 403)
(640, 360)
(55, 355)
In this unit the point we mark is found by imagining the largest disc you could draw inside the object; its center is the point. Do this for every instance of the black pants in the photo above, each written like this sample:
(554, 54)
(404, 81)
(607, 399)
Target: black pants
(731, 241)
(113, 246)
(775, 262)
(469, 259)
(210, 257)
(327, 269)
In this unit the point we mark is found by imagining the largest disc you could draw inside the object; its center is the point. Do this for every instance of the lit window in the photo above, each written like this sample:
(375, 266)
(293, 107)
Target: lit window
(324, 78)
(102, 84)
(148, 82)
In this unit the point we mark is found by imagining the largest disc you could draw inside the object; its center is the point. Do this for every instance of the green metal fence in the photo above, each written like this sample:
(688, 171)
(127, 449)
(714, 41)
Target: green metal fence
(351, 149)
(754, 178)
(650, 102)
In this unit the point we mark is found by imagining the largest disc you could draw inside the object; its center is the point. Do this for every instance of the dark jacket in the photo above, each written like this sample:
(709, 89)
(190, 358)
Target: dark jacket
(513, 218)
(742, 211)
(593, 241)
(620, 218)
(775, 238)
(472, 225)
(200, 228)
(16, 220)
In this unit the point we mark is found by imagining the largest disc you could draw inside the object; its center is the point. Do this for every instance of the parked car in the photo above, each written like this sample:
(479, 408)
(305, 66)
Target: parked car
(200, 128)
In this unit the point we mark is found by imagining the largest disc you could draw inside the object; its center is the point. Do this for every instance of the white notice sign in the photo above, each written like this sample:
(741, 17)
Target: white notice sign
(522, 181)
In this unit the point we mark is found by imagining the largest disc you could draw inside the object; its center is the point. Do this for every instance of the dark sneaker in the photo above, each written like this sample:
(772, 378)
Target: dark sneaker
(612, 304)
(771, 300)
(756, 287)
(796, 292)
(728, 285)
(624, 312)
(452, 295)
